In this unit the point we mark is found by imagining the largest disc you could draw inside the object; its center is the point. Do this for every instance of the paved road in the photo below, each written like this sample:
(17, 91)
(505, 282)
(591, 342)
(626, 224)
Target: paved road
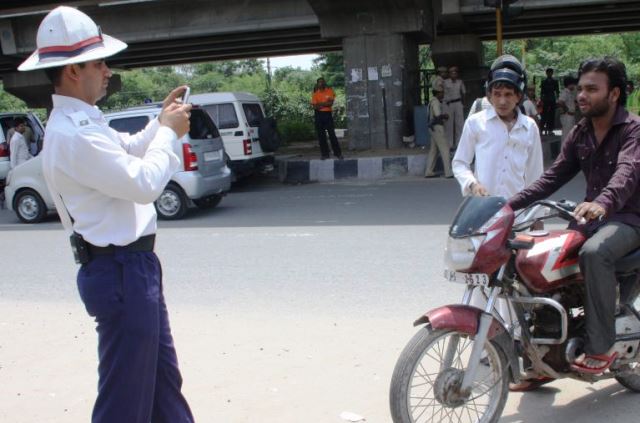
(288, 304)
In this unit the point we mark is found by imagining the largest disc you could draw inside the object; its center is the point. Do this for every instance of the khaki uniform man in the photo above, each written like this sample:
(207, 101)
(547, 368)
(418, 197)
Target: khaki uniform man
(438, 141)
(454, 92)
(438, 81)
(567, 105)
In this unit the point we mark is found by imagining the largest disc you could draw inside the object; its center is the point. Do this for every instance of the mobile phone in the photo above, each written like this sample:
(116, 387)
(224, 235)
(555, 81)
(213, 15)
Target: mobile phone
(185, 95)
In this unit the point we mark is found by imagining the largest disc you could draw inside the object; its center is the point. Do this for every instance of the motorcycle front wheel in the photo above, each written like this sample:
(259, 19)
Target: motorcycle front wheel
(426, 380)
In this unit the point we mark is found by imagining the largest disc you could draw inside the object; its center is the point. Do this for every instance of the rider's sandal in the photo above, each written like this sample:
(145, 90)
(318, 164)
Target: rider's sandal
(527, 385)
(603, 358)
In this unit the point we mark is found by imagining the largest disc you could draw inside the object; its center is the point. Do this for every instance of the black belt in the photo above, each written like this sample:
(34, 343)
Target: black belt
(454, 101)
(145, 243)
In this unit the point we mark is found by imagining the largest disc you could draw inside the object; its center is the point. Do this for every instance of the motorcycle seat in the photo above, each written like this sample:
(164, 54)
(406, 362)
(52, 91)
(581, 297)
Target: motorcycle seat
(629, 263)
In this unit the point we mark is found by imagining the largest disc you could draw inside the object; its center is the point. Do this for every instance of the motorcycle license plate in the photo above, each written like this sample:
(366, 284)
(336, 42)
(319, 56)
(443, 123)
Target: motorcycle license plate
(479, 279)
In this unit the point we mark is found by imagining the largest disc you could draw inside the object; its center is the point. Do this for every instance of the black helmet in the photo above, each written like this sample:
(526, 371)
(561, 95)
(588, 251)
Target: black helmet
(507, 69)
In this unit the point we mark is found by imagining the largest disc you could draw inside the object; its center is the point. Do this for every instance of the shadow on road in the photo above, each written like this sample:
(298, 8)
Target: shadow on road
(612, 403)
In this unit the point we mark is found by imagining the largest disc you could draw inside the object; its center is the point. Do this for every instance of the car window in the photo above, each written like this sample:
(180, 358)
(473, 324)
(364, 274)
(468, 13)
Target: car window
(223, 115)
(6, 123)
(253, 112)
(132, 125)
(202, 126)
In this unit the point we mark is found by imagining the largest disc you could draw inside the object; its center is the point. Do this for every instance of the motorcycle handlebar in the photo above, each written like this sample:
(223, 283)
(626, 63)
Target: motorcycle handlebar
(565, 209)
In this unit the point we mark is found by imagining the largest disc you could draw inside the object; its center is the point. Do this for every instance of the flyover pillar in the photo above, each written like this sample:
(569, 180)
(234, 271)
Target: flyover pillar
(382, 86)
(380, 49)
(466, 52)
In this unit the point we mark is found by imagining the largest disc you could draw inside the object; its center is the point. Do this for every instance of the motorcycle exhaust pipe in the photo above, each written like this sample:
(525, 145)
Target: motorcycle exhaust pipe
(574, 348)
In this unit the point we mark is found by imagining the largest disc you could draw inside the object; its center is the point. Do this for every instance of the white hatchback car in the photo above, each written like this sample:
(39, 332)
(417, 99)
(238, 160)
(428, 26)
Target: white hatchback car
(203, 179)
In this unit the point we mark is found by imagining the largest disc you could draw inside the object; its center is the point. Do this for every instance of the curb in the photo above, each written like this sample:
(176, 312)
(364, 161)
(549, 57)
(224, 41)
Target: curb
(296, 171)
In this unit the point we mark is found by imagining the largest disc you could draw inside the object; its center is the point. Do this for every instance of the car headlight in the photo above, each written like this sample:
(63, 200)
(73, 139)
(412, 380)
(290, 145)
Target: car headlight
(460, 252)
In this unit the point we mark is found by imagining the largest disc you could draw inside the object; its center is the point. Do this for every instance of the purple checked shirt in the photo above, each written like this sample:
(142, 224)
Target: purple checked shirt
(612, 169)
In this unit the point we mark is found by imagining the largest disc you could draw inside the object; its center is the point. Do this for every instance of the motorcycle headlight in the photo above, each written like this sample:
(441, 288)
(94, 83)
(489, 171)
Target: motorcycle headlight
(460, 252)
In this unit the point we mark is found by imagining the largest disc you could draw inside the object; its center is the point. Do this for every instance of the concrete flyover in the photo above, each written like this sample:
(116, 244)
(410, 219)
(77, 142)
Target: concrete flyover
(379, 39)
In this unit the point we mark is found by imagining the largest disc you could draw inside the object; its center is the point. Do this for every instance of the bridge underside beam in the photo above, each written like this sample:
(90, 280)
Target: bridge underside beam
(547, 22)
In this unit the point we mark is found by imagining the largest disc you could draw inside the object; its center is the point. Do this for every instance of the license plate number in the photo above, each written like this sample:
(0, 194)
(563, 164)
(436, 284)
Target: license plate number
(212, 155)
(479, 279)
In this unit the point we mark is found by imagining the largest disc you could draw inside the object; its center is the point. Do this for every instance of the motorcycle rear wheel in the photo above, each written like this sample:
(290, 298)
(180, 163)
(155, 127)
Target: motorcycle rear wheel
(423, 387)
(631, 379)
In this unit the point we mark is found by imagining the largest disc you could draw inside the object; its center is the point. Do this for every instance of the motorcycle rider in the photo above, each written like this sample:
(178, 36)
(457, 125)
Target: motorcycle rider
(605, 146)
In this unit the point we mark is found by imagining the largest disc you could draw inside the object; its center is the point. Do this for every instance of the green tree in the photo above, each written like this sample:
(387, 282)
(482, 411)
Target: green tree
(9, 102)
(331, 67)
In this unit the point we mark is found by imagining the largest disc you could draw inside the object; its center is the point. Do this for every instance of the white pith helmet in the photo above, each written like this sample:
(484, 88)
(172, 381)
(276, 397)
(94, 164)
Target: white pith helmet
(66, 36)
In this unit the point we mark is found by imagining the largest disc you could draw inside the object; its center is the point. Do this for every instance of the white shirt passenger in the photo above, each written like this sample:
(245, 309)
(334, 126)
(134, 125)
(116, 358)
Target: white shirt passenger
(19, 151)
(108, 180)
(506, 162)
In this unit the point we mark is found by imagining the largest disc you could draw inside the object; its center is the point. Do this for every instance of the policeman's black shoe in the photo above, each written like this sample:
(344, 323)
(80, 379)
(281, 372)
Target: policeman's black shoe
(340, 157)
(324, 157)
(433, 175)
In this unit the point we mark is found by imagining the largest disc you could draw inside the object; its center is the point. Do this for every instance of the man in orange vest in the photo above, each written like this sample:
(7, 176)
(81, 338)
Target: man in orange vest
(322, 101)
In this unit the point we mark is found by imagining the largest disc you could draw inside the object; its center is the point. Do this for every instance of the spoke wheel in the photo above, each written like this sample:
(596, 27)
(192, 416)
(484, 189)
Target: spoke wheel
(427, 377)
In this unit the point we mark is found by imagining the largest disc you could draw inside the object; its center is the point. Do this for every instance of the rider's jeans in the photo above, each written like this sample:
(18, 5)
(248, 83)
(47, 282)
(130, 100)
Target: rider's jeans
(598, 255)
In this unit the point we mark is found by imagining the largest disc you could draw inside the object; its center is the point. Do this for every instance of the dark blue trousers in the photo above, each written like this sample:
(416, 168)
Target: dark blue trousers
(139, 380)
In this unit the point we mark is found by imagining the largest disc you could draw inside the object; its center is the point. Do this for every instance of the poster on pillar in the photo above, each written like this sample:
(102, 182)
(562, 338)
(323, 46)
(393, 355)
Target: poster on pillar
(372, 73)
(385, 71)
(356, 75)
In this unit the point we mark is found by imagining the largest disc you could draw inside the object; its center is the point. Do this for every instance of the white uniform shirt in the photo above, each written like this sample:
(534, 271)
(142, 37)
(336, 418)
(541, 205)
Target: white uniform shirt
(453, 90)
(530, 109)
(108, 180)
(568, 97)
(506, 162)
(19, 151)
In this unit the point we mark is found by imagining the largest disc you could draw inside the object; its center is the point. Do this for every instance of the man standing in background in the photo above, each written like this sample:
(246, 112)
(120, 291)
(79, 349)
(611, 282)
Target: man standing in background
(454, 91)
(19, 151)
(567, 105)
(549, 92)
(438, 80)
(438, 140)
(322, 102)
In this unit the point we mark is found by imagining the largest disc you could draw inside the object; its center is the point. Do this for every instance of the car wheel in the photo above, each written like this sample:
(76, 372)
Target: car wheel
(172, 203)
(208, 202)
(29, 206)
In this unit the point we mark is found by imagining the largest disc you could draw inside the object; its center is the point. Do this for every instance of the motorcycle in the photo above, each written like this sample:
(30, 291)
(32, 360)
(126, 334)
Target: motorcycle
(458, 366)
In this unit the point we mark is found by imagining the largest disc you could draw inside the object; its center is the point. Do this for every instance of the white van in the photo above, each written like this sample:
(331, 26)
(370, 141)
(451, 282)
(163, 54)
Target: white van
(249, 138)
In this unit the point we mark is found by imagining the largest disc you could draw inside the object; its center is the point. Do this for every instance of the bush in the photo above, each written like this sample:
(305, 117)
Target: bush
(296, 130)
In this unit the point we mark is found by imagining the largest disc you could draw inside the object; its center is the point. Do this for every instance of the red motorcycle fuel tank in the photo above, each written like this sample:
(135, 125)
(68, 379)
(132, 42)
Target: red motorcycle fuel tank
(552, 262)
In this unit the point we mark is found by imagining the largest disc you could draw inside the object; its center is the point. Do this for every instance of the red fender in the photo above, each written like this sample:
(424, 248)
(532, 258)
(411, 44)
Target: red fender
(458, 317)
(466, 319)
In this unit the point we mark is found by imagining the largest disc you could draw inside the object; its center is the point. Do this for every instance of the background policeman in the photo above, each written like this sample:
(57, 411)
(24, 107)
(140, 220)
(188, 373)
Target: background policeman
(104, 184)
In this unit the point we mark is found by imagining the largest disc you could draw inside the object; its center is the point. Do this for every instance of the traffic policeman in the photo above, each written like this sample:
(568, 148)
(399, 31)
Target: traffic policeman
(104, 184)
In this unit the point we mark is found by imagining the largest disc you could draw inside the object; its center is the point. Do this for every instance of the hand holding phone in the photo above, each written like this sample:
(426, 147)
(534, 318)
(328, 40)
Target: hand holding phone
(185, 95)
